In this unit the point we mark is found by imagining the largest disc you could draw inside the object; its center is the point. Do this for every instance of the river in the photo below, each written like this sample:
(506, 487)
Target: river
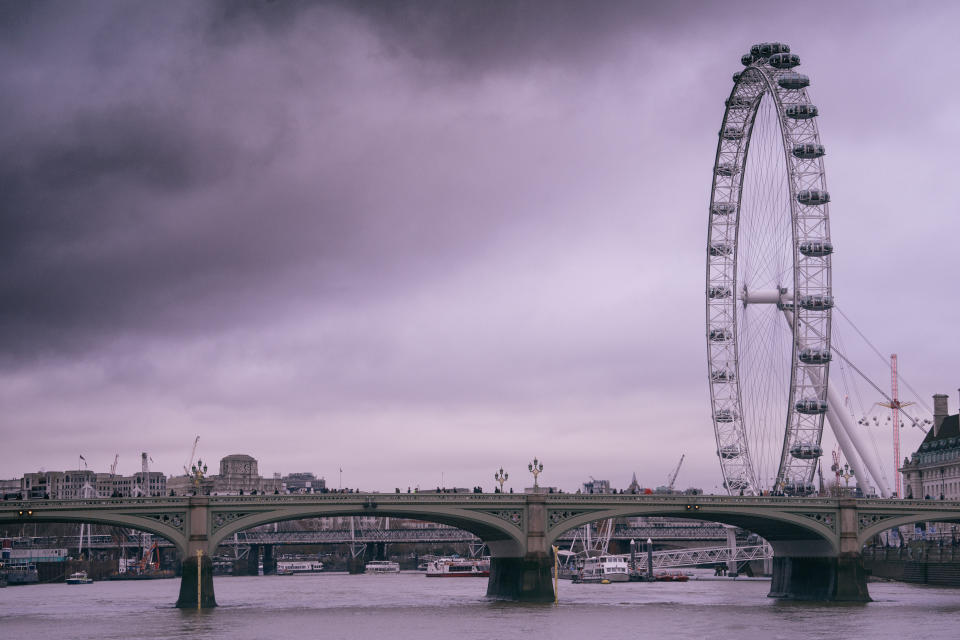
(397, 607)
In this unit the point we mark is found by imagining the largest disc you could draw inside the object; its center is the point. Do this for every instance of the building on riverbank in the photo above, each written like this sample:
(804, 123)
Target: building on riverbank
(932, 472)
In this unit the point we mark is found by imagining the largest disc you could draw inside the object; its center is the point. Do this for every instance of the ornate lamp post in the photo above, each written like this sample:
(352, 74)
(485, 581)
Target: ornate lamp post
(535, 467)
(501, 477)
(846, 474)
(199, 470)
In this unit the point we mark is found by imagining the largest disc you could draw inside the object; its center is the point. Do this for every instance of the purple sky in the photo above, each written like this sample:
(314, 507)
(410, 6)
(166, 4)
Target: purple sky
(414, 239)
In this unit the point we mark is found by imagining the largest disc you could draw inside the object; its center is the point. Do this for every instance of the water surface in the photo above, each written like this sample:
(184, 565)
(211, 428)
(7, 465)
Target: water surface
(397, 607)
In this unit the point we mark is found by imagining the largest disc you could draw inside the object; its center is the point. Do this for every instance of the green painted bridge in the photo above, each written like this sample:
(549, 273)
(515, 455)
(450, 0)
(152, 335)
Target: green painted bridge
(816, 541)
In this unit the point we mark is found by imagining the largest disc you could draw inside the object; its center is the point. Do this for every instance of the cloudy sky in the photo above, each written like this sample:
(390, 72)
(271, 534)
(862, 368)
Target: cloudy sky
(419, 241)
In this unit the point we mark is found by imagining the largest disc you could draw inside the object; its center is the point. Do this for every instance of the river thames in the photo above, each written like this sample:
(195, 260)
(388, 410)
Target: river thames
(340, 606)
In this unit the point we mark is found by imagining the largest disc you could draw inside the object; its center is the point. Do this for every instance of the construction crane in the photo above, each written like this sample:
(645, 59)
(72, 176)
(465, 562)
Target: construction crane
(673, 476)
(113, 467)
(193, 452)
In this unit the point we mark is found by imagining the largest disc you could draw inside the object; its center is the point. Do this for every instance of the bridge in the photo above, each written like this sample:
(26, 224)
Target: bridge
(816, 542)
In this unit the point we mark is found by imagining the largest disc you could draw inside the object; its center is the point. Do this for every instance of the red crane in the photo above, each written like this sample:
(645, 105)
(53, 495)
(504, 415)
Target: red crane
(895, 405)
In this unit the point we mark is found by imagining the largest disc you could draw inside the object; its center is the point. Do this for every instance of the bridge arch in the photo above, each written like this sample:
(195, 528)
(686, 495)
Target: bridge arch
(167, 526)
(503, 534)
(871, 525)
(789, 533)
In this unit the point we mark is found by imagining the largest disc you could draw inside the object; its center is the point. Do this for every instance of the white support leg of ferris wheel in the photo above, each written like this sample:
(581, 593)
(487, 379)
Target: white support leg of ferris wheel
(846, 446)
(846, 425)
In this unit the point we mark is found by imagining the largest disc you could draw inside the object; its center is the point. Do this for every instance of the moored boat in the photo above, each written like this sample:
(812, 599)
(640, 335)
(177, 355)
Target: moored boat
(298, 567)
(382, 566)
(20, 573)
(605, 567)
(459, 568)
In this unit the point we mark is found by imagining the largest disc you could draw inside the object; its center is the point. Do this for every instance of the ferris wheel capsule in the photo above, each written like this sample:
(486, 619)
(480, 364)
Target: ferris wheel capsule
(729, 451)
(732, 133)
(723, 375)
(813, 197)
(720, 335)
(739, 102)
(723, 208)
(816, 248)
(816, 302)
(811, 406)
(806, 451)
(801, 111)
(767, 49)
(784, 60)
(725, 415)
(808, 151)
(793, 81)
(727, 169)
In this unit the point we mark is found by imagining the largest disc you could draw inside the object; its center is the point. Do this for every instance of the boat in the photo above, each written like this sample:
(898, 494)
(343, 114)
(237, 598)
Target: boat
(382, 566)
(459, 568)
(80, 577)
(20, 573)
(604, 567)
(670, 577)
(298, 567)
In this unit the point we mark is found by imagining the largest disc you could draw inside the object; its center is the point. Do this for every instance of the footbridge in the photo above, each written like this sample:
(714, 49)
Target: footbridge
(816, 542)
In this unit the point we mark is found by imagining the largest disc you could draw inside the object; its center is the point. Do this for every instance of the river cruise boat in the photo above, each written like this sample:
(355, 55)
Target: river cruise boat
(382, 566)
(80, 577)
(605, 567)
(20, 573)
(459, 568)
(298, 567)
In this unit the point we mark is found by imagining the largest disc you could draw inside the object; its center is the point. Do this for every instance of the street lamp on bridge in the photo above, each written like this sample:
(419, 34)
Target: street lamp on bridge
(535, 467)
(501, 477)
(199, 470)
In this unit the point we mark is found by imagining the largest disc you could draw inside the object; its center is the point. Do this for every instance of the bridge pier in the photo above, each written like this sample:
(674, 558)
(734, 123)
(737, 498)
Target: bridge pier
(269, 562)
(528, 579)
(253, 560)
(188, 583)
(838, 579)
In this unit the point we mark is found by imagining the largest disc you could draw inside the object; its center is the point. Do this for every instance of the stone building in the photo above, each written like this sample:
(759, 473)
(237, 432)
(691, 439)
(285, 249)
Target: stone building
(238, 472)
(238, 475)
(303, 482)
(84, 483)
(933, 471)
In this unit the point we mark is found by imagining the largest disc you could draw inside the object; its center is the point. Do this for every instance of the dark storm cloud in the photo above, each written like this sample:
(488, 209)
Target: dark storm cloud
(412, 222)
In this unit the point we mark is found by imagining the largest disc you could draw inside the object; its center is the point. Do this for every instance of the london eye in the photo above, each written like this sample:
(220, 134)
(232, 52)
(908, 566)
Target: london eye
(768, 281)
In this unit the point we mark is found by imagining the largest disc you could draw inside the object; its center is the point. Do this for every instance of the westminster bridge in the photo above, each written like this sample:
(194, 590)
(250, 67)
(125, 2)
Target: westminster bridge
(816, 542)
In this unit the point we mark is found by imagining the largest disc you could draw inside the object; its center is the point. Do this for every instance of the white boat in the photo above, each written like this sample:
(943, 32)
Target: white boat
(605, 567)
(20, 573)
(80, 577)
(459, 568)
(382, 566)
(298, 567)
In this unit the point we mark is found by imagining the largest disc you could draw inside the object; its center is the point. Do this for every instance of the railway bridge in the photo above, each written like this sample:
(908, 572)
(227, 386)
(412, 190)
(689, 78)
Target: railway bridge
(816, 541)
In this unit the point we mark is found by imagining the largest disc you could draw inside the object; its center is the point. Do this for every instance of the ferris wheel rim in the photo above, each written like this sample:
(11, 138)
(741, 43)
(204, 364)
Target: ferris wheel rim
(763, 79)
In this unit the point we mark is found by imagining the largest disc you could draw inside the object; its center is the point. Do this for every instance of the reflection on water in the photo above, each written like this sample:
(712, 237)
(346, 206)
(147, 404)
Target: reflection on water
(410, 606)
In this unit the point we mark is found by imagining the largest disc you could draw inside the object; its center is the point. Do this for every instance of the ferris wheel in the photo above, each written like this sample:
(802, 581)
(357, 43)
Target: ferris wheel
(768, 288)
